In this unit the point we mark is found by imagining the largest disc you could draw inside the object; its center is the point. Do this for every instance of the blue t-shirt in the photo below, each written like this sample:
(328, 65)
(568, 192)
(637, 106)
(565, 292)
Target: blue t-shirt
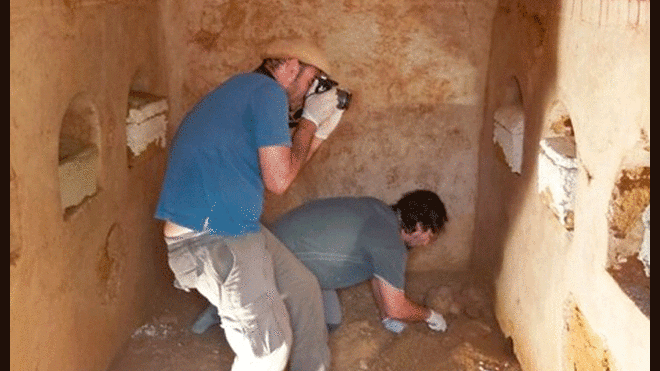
(213, 168)
(346, 240)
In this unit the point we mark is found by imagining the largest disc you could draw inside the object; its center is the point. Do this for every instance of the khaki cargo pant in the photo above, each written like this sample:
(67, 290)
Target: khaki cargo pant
(254, 317)
(303, 300)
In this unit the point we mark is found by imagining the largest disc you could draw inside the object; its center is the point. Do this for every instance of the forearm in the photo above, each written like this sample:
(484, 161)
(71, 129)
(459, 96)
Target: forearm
(281, 164)
(408, 310)
(378, 297)
(301, 147)
(316, 143)
(393, 303)
(396, 306)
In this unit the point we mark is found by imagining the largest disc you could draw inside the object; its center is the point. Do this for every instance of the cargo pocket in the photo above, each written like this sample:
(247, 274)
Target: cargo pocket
(268, 334)
(184, 266)
(221, 258)
(262, 333)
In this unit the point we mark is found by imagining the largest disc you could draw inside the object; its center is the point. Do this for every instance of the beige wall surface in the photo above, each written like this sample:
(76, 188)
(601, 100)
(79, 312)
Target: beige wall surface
(426, 77)
(554, 296)
(416, 70)
(80, 280)
(79, 283)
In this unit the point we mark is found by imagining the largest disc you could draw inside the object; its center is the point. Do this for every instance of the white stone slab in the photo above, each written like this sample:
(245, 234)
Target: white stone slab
(557, 173)
(508, 131)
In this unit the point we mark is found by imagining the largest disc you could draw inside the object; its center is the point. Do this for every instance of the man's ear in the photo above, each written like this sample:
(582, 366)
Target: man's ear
(288, 71)
(294, 66)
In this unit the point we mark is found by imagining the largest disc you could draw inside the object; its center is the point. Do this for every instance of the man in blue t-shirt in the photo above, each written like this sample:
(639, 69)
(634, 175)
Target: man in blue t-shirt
(344, 241)
(230, 147)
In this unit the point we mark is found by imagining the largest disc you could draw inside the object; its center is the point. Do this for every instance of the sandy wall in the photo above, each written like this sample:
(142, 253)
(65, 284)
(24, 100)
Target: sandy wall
(81, 279)
(555, 298)
(416, 70)
(426, 84)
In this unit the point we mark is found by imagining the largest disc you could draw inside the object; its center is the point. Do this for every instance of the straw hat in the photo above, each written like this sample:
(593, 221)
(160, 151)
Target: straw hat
(300, 49)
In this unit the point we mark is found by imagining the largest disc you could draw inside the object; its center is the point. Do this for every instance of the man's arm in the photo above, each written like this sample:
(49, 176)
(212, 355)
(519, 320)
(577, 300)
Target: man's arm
(393, 302)
(316, 143)
(280, 165)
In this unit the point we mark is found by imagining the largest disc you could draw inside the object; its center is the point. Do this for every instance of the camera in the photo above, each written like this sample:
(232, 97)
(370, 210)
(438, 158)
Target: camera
(324, 84)
(343, 96)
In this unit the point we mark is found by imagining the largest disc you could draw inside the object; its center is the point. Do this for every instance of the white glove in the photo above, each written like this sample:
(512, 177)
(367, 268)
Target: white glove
(319, 107)
(393, 325)
(312, 89)
(436, 322)
(327, 126)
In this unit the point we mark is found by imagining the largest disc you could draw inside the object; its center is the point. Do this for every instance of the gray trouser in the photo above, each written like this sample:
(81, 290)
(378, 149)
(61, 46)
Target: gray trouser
(254, 317)
(331, 307)
(303, 300)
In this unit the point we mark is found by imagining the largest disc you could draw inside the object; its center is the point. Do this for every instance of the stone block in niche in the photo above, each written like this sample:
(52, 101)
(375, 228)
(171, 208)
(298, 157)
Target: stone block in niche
(557, 176)
(508, 131)
(146, 122)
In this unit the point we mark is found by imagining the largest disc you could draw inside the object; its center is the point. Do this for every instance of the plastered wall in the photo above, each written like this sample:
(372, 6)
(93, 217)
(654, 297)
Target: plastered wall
(555, 298)
(427, 77)
(416, 70)
(80, 279)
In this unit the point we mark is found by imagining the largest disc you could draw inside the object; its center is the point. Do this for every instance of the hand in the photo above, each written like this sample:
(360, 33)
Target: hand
(319, 107)
(327, 126)
(393, 325)
(436, 322)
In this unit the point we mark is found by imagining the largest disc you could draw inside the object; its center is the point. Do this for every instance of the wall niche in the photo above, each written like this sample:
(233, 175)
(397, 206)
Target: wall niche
(509, 126)
(558, 166)
(78, 153)
(629, 223)
(146, 122)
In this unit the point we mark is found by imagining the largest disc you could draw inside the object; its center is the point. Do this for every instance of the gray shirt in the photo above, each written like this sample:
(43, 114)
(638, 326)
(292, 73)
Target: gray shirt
(346, 240)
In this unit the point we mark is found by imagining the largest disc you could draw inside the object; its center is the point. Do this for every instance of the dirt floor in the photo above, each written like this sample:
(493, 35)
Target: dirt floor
(472, 342)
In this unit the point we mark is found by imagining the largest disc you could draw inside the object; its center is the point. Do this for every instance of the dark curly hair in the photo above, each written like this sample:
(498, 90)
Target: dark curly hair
(421, 206)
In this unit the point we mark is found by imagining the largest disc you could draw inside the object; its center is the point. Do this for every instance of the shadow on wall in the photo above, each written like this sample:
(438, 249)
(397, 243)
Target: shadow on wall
(523, 51)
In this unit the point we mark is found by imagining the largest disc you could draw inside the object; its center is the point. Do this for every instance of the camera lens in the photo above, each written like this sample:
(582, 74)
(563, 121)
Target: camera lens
(325, 84)
(343, 99)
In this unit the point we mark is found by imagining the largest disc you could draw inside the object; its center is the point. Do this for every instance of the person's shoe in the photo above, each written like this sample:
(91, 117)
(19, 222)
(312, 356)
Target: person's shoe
(332, 327)
(205, 320)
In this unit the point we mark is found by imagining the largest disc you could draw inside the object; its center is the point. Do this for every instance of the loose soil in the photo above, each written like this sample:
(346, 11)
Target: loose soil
(472, 342)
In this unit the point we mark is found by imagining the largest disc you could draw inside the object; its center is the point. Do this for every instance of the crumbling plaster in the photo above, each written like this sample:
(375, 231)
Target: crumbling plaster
(594, 59)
